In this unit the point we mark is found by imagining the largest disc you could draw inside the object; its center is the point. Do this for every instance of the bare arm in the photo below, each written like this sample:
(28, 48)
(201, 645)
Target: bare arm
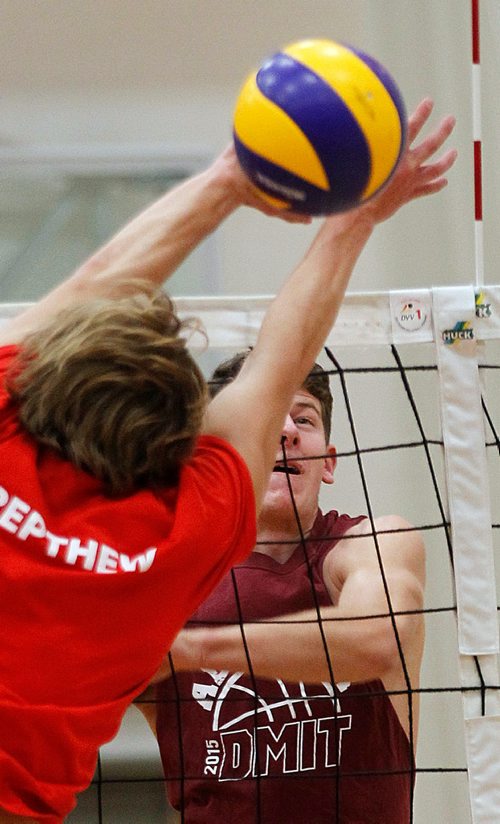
(305, 309)
(146, 704)
(358, 632)
(153, 244)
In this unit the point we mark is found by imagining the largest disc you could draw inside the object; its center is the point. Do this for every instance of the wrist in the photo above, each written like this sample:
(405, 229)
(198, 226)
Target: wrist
(226, 181)
(360, 220)
(344, 235)
(220, 647)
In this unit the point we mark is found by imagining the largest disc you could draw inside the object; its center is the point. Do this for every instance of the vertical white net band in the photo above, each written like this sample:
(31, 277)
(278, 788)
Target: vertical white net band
(454, 311)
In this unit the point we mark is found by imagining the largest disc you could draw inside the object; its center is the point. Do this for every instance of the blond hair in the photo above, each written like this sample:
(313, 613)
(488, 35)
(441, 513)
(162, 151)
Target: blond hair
(111, 386)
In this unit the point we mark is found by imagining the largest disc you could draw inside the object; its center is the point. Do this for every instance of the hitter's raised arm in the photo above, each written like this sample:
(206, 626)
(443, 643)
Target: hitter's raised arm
(299, 320)
(151, 246)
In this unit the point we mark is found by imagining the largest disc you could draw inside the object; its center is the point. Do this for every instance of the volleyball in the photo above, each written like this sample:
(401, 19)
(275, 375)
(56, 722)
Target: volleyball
(319, 127)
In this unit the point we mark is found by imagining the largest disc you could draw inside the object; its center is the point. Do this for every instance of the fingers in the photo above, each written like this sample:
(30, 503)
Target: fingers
(433, 142)
(429, 188)
(431, 178)
(418, 118)
(428, 147)
(413, 178)
(440, 166)
(294, 217)
(424, 150)
(257, 201)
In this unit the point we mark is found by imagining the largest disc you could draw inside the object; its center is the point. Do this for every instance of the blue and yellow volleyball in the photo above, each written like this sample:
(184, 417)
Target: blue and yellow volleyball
(320, 127)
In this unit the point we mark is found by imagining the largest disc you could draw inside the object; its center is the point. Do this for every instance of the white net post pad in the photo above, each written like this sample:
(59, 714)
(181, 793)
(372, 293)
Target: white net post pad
(466, 469)
(482, 737)
(455, 322)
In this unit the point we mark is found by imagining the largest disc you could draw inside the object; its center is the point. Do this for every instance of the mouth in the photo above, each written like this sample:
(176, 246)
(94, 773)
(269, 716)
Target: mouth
(289, 469)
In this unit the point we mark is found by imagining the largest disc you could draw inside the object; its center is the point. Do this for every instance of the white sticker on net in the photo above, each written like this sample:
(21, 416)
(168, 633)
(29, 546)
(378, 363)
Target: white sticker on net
(487, 299)
(411, 316)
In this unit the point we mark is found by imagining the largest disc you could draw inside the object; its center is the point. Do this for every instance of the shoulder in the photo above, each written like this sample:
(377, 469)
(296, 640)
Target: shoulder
(8, 355)
(218, 468)
(8, 352)
(213, 449)
(391, 539)
(386, 531)
(216, 461)
(216, 484)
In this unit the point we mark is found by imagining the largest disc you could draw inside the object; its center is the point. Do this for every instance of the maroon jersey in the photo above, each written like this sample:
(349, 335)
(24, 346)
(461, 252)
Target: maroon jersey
(261, 751)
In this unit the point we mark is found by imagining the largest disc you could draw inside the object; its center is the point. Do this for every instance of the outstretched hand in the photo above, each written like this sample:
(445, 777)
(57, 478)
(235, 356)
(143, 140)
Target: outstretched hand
(418, 174)
(416, 177)
(246, 193)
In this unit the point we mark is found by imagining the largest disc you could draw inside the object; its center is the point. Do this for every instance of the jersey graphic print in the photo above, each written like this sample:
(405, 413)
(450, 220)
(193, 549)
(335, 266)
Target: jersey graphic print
(238, 748)
(281, 734)
(19, 519)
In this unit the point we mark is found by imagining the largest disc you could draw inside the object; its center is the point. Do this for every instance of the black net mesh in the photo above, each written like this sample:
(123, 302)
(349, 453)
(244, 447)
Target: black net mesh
(386, 427)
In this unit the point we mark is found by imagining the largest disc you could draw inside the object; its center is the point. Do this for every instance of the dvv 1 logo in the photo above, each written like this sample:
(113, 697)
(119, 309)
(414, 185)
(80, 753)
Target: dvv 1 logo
(412, 315)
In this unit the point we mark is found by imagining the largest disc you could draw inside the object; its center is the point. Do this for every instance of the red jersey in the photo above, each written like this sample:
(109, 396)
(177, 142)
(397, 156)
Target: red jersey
(260, 751)
(92, 592)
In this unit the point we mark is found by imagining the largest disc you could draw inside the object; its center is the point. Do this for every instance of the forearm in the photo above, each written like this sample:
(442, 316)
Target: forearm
(298, 647)
(148, 249)
(152, 245)
(146, 704)
(322, 277)
(314, 290)
(293, 331)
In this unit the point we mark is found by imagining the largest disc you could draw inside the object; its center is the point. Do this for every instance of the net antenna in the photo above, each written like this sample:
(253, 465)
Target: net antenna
(477, 142)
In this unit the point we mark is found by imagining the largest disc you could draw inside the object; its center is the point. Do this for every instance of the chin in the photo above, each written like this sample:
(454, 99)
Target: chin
(278, 488)
(277, 501)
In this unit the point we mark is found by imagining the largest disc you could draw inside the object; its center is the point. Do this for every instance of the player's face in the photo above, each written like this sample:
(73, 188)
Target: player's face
(310, 461)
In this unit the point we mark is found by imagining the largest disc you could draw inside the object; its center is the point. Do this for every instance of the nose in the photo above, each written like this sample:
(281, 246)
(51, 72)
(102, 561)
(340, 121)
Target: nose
(289, 433)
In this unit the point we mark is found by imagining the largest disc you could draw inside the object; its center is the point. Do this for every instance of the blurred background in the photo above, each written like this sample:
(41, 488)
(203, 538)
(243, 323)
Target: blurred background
(119, 84)
(107, 103)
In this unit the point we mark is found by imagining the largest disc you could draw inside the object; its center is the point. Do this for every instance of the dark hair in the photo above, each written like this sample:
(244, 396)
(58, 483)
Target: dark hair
(111, 386)
(317, 383)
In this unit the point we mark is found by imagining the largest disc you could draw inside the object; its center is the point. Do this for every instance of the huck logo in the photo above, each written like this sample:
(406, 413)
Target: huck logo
(462, 330)
(483, 309)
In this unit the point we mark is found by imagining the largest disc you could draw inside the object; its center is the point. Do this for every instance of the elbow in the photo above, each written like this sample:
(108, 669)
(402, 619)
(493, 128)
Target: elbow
(378, 655)
(389, 649)
(400, 636)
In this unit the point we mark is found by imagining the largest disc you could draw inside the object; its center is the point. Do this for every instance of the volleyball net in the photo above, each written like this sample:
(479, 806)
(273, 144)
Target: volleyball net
(416, 384)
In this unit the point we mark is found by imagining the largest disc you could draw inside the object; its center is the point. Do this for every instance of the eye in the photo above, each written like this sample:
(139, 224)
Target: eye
(304, 420)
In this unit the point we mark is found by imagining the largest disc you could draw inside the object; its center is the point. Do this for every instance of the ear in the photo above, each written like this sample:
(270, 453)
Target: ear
(329, 466)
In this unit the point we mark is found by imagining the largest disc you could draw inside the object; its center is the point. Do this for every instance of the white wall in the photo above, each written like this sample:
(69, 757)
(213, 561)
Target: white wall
(169, 72)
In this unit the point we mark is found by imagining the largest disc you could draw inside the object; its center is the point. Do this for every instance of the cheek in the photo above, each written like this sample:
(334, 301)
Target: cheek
(315, 473)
